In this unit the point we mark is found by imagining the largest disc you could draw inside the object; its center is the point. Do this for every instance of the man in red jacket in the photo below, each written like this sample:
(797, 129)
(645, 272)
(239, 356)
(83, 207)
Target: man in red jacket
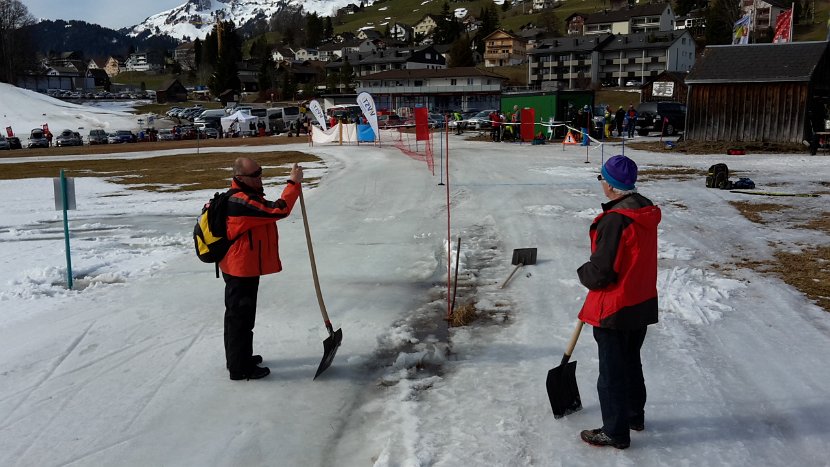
(255, 252)
(621, 277)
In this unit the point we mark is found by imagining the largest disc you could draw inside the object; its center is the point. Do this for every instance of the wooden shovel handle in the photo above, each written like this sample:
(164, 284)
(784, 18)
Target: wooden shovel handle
(572, 343)
(314, 265)
(511, 275)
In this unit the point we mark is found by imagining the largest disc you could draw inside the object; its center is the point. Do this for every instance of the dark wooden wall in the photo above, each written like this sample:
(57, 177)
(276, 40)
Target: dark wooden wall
(680, 91)
(773, 112)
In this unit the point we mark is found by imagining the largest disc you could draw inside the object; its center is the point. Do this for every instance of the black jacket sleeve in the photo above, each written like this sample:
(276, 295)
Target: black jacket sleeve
(599, 272)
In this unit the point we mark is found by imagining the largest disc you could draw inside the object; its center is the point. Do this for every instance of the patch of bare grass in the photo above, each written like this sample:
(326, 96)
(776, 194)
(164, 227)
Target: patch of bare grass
(186, 172)
(720, 147)
(463, 315)
(808, 271)
(668, 173)
(755, 211)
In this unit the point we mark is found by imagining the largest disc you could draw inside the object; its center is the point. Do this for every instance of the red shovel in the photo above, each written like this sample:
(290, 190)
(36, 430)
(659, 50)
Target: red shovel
(331, 343)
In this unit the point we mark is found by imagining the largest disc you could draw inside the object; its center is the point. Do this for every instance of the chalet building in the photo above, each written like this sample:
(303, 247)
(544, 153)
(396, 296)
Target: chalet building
(401, 32)
(114, 66)
(185, 55)
(502, 48)
(650, 17)
(465, 88)
(370, 34)
(426, 25)
(330, 51)
(306, 53)
(65, 71)
(144, 61)
(281, 53)
(94, 64)
(583, 62)
(539, 5)
(757, 92)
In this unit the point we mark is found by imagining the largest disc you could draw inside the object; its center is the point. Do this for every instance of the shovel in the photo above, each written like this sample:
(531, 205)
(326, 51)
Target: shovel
(562, 389)
(521, 257)
(331, 343)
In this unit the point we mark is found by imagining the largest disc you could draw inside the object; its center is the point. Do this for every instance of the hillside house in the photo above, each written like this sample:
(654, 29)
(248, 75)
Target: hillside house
(306, 53)
(389, 59)
(502, 48)
(114, 66)
(426, 25)
(144, 61)
(401, 32)
(576, 24)
(765, 12)
(281, 53)
(650, 17)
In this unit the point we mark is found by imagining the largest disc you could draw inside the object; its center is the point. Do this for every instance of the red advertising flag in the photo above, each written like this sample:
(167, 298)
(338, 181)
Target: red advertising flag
(783, 27)
(9, 131)
(421, 124)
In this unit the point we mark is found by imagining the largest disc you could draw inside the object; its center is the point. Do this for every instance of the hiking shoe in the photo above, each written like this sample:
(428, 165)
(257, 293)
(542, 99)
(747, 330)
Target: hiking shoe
(598, 438)
(253, 372)
(636, 426)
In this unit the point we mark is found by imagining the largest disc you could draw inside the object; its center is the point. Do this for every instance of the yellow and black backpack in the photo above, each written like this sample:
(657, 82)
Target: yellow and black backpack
(210, 232)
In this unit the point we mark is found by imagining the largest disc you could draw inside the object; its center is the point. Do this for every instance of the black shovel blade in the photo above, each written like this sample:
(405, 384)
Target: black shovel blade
(524, 256)
(330, 346)
(562, 390)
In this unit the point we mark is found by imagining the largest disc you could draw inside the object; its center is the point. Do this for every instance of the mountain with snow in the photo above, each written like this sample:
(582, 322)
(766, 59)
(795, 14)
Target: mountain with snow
(195, 19)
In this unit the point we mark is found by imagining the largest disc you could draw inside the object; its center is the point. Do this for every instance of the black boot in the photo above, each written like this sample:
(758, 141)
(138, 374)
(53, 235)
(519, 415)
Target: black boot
(253, 372)
(598, 437)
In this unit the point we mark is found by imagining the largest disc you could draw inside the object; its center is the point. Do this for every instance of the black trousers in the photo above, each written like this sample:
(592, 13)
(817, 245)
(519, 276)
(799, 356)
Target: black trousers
(621, 387)
(240, 314)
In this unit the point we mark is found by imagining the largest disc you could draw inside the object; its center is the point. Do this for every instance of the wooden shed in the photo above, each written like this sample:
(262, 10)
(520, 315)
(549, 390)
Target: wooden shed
(757, 92)
(667, 86)
(171, 91)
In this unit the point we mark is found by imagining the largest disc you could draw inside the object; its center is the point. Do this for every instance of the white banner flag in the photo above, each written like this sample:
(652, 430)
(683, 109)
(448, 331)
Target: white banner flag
(367, 104)
(317, 110)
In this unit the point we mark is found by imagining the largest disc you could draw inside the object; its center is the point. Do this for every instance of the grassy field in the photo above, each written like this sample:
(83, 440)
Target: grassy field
(817, 29)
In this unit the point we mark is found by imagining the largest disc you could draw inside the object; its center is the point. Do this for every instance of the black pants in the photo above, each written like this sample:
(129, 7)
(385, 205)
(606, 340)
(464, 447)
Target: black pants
(240, 313)
(621, 387)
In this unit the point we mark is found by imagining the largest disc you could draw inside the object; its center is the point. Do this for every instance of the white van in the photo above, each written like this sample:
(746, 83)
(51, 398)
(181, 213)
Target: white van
(279, 119)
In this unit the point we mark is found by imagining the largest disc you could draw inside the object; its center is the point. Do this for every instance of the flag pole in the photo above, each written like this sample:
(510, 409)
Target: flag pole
(792, 13)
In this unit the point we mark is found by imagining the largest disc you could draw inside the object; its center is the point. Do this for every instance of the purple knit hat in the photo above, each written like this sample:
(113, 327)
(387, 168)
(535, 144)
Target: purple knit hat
(620, 172)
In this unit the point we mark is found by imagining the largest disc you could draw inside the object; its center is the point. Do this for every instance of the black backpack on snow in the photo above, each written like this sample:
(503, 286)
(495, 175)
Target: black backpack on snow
(210, 232)
(718, 177)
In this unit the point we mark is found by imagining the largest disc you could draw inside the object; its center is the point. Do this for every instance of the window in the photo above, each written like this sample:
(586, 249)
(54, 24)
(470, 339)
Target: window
(453, 82)
(469, 81)
(419, 82)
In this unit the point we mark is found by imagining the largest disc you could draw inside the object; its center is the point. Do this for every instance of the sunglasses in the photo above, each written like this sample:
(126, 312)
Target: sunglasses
(599, 178)
(257, 173)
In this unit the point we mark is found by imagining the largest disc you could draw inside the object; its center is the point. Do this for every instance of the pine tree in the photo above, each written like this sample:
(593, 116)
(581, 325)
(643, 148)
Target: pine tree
(720, 20)
(461, 53)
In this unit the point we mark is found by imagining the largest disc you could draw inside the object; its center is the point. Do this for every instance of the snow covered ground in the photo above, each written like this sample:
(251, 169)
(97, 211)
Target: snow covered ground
(129, 369)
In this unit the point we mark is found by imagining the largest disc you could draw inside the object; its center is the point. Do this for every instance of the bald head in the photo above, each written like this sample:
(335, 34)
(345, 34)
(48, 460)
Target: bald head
(244, 166)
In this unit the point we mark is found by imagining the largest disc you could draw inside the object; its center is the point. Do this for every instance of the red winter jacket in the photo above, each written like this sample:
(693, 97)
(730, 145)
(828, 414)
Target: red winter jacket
(622, 273)
(253, 227)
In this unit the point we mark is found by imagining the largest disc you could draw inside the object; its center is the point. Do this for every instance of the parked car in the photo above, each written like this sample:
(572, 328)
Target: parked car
(68, 138)
(390, 120)
(481, 120)
(37, 139)
(98, 137)
(112, 138)
(663, 117)
(166, 134)
(4, 144)
(126, 136)
(210, 132)
(14, 142)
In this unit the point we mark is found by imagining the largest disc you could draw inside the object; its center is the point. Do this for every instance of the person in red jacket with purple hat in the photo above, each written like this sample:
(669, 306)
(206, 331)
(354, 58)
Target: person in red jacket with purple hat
(621, 277)
(252, 224)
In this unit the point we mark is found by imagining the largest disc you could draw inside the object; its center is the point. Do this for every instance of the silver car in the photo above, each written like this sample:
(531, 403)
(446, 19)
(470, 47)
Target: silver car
(4, 144)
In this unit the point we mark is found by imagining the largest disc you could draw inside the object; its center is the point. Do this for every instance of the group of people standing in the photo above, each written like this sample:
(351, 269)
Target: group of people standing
(500, 130)
(623, 121)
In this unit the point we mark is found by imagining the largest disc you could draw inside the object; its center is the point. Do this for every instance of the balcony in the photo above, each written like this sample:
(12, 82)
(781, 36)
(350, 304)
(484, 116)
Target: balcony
(457, 89)
(497, 55)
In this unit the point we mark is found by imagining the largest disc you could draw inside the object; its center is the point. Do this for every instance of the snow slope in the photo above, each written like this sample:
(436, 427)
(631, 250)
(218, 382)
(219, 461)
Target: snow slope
(24, 110)
(129, 369)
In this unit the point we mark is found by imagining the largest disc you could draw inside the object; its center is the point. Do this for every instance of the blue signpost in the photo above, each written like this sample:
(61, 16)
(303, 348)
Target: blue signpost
(65, 200)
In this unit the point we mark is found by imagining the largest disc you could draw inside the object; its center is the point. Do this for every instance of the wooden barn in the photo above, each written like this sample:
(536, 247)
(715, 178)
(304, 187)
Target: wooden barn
(757, 92)
(171, 91)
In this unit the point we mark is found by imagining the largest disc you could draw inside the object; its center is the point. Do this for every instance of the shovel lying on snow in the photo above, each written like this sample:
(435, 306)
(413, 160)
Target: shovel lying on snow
(562, 389)
(331, 343)
(521, 257)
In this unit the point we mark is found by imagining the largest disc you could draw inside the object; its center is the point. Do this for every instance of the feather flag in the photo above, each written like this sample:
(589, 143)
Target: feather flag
(784, 27)
(740, 32)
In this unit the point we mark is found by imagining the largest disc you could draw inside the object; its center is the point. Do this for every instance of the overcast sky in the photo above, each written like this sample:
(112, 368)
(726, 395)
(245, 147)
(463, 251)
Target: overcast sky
(112, 14)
